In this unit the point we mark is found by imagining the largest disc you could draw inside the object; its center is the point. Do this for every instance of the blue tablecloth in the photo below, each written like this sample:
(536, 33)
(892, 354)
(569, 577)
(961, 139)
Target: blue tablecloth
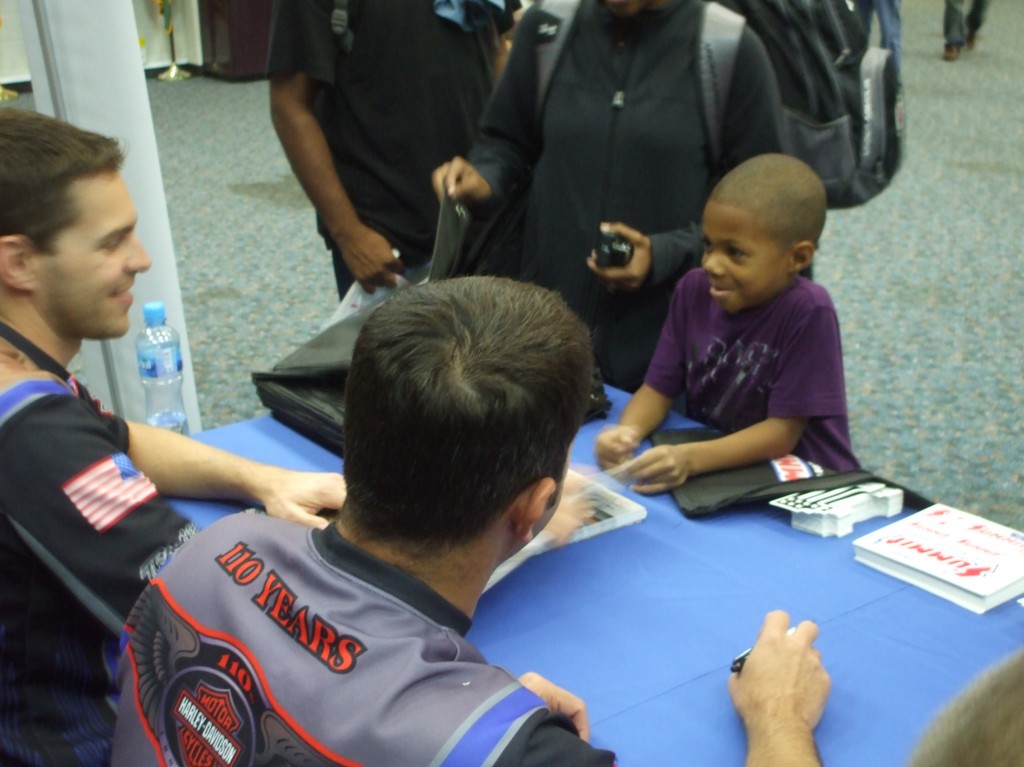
(643, 622)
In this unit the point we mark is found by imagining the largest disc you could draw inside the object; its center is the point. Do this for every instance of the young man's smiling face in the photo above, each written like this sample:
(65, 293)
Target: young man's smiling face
(85, 281)
(747, 266)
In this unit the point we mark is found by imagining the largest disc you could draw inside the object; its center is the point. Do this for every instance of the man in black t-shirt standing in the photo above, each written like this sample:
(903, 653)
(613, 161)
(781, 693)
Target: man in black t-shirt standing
(82, 524)
(365, 117)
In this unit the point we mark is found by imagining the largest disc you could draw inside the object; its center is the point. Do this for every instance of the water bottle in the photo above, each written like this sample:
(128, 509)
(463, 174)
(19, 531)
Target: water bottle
(158, 350)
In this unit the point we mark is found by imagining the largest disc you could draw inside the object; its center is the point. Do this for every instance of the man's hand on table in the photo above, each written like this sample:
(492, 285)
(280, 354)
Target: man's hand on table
(780, 693)
(298, 496)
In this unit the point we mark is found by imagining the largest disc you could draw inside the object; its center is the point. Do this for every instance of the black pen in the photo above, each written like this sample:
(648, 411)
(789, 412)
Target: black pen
(739, 660)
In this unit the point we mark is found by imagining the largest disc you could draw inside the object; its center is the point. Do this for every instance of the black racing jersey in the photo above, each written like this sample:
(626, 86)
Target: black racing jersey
(81, 533)
(266, 643)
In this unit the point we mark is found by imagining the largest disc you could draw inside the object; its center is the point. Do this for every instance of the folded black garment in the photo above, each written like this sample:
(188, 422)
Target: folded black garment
(306, 389)
(314, 411)
(717, 490)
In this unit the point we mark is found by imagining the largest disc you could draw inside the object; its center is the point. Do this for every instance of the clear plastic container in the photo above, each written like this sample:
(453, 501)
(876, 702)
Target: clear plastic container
(158, 349)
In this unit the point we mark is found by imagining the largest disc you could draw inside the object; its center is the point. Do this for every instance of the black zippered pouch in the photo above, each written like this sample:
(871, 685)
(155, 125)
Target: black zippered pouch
(718, 490)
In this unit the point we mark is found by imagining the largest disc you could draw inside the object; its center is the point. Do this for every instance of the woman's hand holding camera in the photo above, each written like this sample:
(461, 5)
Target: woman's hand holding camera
(634, 273)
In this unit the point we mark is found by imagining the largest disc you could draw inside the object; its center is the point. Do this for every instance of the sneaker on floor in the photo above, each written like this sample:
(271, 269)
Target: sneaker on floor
(951, 53)
(972, 38)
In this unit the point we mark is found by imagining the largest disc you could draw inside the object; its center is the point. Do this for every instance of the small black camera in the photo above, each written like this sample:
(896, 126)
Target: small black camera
(613, 250)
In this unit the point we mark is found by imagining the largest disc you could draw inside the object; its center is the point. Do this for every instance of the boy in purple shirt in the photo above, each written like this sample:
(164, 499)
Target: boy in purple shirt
(752, 345)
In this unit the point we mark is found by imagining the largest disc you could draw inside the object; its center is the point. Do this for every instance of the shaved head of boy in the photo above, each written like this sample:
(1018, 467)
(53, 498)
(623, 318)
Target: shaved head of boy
(761, 227)
(783, 192)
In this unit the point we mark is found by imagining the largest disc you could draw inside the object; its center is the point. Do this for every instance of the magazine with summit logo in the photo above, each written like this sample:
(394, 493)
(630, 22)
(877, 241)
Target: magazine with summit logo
(969, 560)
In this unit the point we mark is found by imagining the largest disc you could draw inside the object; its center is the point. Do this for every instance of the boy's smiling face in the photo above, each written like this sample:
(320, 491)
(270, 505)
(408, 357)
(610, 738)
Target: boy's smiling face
(746, 264)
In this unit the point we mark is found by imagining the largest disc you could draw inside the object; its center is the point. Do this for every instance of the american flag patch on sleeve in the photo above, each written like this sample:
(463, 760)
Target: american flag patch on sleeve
(108, 490)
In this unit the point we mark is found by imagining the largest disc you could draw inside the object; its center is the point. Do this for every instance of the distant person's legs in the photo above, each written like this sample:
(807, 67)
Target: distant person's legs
(961, 30)
(974, 21)
(889, 24)
(888, 21)
(953, 29)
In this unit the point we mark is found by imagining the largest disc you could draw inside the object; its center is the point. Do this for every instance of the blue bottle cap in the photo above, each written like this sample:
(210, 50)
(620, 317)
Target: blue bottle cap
(154, 313)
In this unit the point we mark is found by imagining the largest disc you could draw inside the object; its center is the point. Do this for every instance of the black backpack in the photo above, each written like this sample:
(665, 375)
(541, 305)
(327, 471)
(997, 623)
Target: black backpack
(842, 101)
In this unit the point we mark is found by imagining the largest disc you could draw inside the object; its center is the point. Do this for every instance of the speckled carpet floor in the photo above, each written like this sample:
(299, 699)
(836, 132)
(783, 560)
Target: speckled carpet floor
(926, 277)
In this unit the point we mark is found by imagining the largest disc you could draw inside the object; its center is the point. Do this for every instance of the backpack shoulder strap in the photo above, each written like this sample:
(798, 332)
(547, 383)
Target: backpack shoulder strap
(551, 37)
(720, 34)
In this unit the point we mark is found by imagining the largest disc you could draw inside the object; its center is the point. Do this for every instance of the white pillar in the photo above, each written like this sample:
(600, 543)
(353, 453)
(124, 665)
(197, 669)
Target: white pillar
(87, 69)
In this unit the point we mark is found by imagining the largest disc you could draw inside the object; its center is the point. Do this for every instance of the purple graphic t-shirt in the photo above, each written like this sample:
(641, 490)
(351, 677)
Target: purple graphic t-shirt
(781, 360)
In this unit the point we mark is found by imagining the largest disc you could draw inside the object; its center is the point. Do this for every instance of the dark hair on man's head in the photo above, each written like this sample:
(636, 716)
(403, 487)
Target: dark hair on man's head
(461, 394)
(40, 157)
(984, 725)
(784, 193)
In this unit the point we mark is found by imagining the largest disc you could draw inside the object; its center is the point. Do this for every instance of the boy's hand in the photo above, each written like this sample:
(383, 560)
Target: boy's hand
(660, 468)
(615, 445)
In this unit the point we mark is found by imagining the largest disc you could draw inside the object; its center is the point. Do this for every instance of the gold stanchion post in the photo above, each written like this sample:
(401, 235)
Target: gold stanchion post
(173, 73)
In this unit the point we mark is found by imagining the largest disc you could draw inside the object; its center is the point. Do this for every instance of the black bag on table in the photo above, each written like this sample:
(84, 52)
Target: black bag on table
(708, 493)
(306, 390)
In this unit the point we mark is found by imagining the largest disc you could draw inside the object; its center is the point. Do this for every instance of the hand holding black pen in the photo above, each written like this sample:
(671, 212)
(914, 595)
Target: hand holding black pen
(741, 659)
(783, 686)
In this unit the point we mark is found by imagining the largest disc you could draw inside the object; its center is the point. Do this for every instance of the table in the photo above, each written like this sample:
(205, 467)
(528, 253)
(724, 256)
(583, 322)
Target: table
(643, 622)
